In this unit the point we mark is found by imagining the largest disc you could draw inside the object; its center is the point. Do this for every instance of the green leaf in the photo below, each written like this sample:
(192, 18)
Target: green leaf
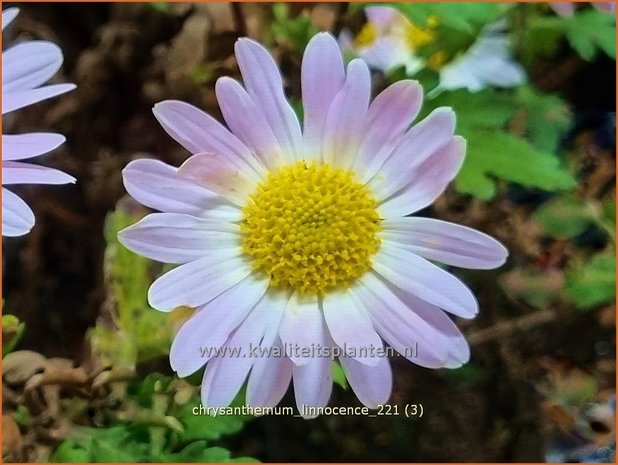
(461, 16)
(501, 155)
(591, 30)
(544, 117)
(594, 283)
(565, 216)
(69, 451)
(207, 427)
(339, 375)
(12, 332)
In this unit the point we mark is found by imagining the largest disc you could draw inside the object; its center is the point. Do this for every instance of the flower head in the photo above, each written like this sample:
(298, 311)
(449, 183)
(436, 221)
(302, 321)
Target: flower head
(296, 242)
(487, 62)
(25, 68)
(389, 40)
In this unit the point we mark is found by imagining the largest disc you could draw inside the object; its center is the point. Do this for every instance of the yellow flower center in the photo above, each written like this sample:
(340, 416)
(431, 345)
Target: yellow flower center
(366, 36)
(311, 228)
(416, 37)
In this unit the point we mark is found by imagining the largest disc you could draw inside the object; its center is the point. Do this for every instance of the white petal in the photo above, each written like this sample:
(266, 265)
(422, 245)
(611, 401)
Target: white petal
(157, 185)
(414, 274)
(346, 118)
(15, 172)
(350, 327)
(8, 16)
(17, 217)
(218, 175)
(372, 385)
(29, 64)
(265, 86)
(322, 77)
(16, 100)
(22, 146)
(427, 182)
(209, 328)
(196, 283)
(445, 242)
(199, 132)
(302, 327)
(419, 144)
(179, 238)
(246, 121)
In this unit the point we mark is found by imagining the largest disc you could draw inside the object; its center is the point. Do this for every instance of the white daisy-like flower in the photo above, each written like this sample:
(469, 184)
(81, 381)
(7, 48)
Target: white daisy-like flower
(25, 68)
(488, 62)
(295, 238)
(388, 40)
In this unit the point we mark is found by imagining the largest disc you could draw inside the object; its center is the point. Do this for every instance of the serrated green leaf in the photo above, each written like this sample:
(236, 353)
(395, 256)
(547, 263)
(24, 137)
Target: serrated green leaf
(593, 283)
(591, 30)
(565, 217)
(545, 117)
(501, 155)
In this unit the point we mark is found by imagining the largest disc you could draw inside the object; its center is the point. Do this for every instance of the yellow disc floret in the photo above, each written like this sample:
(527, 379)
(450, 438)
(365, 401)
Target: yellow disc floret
(311, 228)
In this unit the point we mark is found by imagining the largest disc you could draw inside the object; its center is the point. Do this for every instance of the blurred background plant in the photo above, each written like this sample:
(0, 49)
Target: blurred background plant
(85, 370)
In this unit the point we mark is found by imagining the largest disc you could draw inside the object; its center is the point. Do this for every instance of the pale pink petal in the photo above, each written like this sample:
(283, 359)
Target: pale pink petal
(29, 64)
(271, 372)
(8, 16)
(15, 172)
(419, 144)
(428, 181)
(211, 325)
(445, 331)
(302, 326)
(244, 118)
(17, 218)
(408, 271)
(313, 382)
(196, 283)
(158, 186)
(372, 385)
(179, 238)
(405, 331)
(389, 116)
(218, 175)
(322, 77)
(22, 146)
(269, 379)
(563, 8)
(199, 132)
(346, 118)
(383, 16)
(444, 242)
(350, 326)
(225, 374)
(264, 84)
(16, 100)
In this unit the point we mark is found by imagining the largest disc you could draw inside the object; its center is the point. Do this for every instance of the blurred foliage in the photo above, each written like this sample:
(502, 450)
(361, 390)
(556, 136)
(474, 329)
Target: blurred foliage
(588, 32)
(593, 283)
(12, 331)
(511, 135)
(137, 332)
(154, 422)
(292, 32)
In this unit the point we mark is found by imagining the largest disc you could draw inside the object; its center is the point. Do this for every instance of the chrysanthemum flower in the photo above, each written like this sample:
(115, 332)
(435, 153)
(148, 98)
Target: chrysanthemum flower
(568, 8)
(298, 238)
(25, 68)
(487, 62)
(390, 40)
